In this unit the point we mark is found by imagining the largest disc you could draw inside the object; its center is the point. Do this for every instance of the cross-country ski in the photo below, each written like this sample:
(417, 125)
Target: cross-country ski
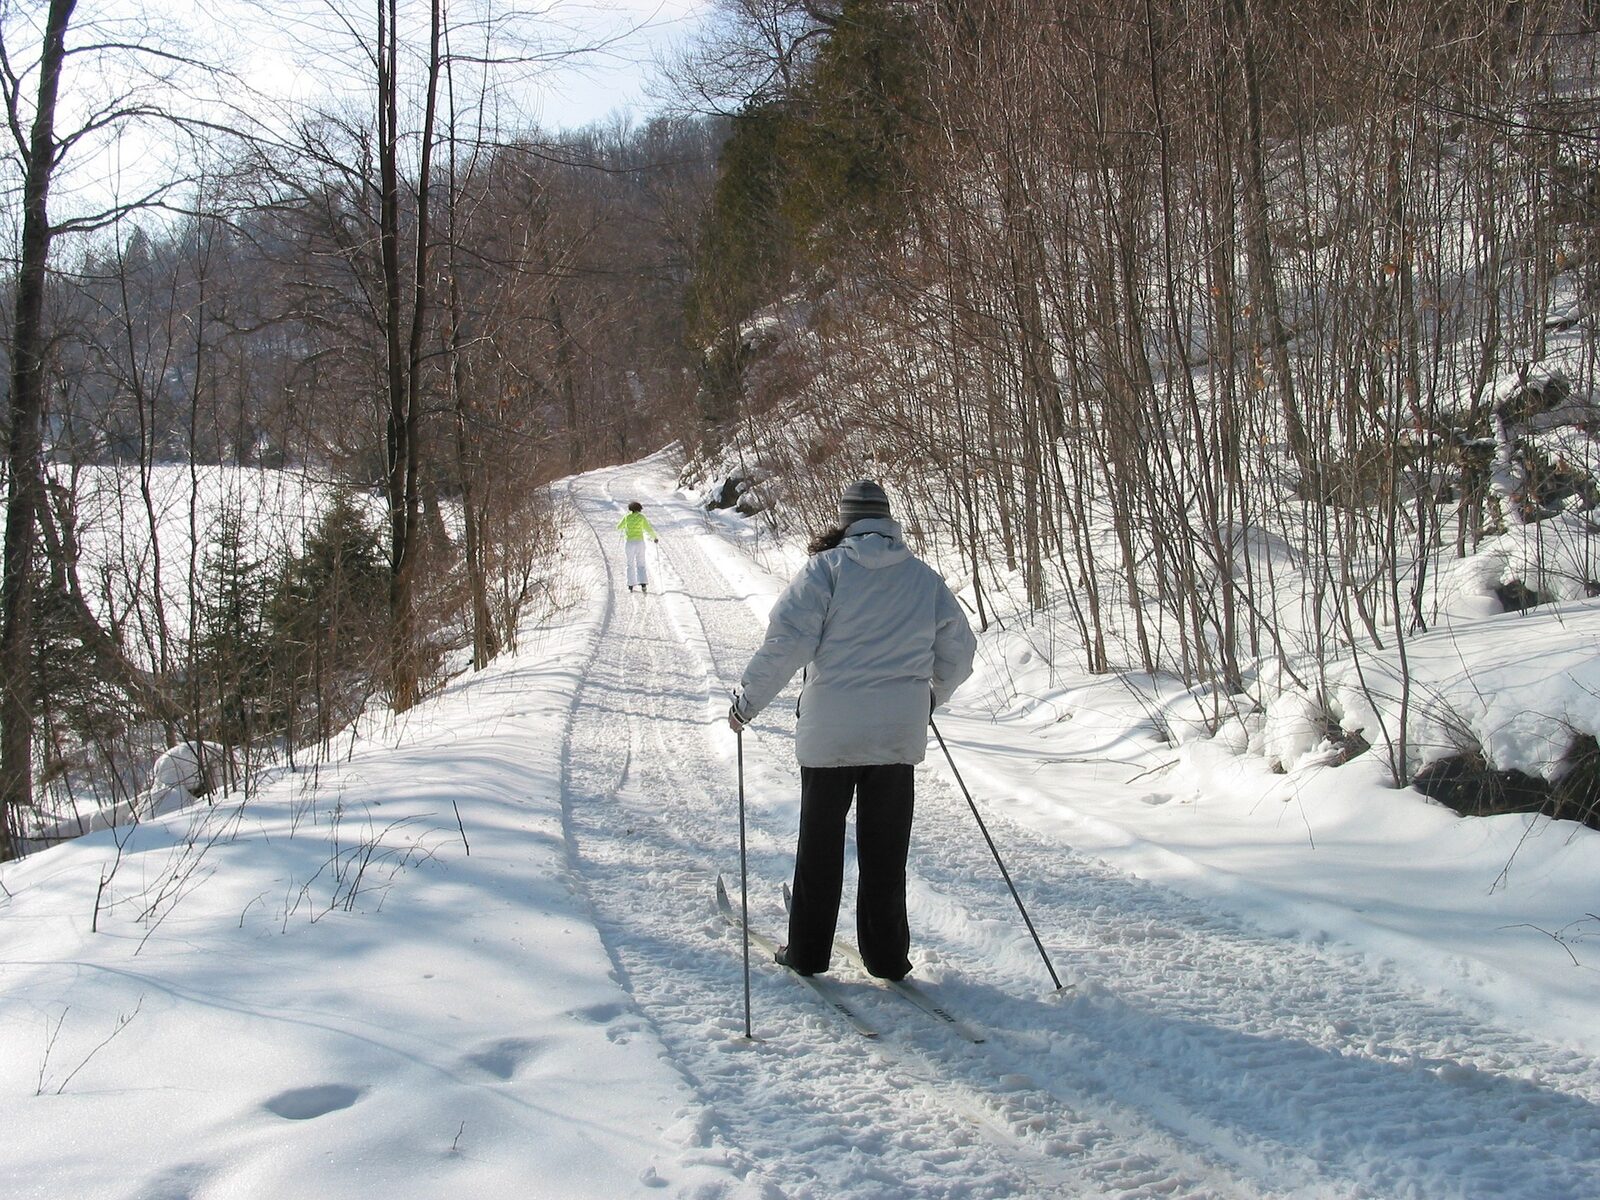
(769, 949)
(904, 987)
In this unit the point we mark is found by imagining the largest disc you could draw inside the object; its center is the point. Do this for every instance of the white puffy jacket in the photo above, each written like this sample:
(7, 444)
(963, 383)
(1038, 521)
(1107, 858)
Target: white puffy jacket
(878, 631)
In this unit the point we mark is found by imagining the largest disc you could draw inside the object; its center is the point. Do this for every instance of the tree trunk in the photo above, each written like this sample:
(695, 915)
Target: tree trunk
(1258, 245)
(403, 374)
(24, 452)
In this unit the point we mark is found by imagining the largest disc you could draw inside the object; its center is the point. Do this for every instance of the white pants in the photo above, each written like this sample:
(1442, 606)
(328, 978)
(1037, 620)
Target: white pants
(635, 552)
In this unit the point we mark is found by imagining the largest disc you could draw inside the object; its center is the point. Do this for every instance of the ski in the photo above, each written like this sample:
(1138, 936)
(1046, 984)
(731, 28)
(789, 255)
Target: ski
(906, 988)
(825, 993)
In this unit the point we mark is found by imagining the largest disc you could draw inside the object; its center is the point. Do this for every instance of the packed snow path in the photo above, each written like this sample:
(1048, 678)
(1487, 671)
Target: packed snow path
(1194, 1055)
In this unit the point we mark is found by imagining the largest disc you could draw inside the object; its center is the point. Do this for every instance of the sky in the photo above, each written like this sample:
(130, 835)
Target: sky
(606, 83)
(579, 64)
(599, 54)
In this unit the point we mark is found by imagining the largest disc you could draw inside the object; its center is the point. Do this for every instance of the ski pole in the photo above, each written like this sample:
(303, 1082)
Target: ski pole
(744, 888)
(1056, 979)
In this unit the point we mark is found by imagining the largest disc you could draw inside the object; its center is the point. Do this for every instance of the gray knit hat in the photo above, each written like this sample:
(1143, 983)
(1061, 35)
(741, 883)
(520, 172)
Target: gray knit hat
(861, 500)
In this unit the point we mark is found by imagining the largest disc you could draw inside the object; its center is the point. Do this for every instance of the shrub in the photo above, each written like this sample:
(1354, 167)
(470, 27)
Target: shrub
(1469, 785)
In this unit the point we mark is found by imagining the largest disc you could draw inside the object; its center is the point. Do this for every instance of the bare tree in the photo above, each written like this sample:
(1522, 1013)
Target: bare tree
(25, 481)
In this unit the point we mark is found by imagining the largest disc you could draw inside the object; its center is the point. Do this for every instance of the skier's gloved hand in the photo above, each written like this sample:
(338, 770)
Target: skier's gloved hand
(735, 721)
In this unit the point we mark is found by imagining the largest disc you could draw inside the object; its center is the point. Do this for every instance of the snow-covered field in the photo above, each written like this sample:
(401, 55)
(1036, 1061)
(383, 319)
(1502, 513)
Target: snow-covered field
(1298, 984)
(186, 507)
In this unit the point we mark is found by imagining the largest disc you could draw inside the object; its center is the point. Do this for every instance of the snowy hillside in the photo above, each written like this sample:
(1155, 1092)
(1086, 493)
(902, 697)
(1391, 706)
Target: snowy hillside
(478, 956)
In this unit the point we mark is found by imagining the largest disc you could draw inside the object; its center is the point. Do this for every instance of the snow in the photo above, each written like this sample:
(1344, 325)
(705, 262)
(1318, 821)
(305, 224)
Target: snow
(477, 953)
(1516, 686)
(189, 768)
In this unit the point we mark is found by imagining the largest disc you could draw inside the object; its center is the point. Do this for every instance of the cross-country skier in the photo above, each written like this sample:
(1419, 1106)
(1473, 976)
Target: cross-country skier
(884, 642)
(635, 526)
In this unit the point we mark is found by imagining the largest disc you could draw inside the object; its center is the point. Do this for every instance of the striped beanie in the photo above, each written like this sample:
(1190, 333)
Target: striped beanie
(861, 500)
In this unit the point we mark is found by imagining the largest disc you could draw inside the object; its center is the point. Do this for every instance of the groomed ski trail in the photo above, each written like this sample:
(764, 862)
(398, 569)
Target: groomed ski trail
(1200, 1057)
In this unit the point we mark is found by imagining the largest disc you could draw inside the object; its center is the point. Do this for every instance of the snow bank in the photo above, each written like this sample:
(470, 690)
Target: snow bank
(1517, 687)
(1495, 911)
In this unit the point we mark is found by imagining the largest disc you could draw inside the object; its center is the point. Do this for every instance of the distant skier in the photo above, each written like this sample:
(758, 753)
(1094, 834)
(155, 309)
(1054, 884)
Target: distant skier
(884, 642)
(635, 526)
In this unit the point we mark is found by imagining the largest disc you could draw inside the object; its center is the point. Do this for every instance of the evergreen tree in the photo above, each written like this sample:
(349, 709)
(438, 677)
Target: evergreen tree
(326, 622)
(808, 171)
(232, 659)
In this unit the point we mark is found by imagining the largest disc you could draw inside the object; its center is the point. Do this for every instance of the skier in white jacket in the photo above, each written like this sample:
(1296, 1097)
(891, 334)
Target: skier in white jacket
(884, 642)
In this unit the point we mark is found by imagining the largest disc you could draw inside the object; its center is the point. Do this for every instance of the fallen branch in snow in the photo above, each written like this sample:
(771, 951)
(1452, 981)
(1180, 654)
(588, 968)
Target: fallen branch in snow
(1161, 766)
(184, 876)
(120, 835)
(1560, 936)
(49, 1048)
(123, 1021)
(347, 867)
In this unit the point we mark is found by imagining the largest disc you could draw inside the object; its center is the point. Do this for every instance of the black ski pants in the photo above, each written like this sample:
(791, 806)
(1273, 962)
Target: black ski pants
(884, 798)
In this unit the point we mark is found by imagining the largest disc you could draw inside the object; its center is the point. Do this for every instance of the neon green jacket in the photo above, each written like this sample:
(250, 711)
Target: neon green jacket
(635, 526)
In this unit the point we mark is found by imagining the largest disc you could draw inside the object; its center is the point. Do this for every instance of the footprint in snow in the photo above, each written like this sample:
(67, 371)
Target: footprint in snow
(619, 1032)
(183, 1181)
(308, 1103)
(599, 1014)
(503, 1058)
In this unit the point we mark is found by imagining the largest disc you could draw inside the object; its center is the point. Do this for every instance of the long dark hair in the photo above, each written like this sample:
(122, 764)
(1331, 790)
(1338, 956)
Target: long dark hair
(826, 540)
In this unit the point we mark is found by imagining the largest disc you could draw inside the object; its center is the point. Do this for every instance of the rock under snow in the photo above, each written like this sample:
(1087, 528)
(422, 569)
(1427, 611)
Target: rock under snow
(189, 767)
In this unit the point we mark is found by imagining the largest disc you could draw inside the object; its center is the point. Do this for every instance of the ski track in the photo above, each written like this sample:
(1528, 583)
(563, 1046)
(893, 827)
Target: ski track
(1195, 1056)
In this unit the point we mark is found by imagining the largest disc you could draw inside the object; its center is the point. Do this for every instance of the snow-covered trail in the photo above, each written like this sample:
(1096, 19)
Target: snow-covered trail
(1196, 1056)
